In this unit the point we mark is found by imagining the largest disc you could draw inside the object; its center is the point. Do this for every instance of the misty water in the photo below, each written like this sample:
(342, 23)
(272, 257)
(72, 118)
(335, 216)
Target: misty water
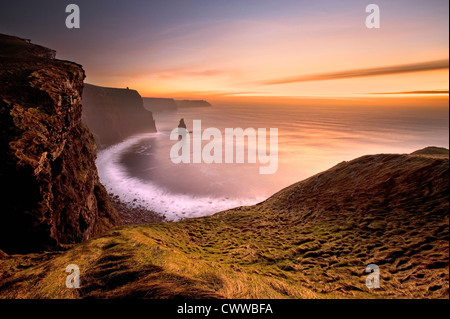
(310, 139)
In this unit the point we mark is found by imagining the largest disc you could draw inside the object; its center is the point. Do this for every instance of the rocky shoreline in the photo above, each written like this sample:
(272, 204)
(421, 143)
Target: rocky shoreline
(134, 214)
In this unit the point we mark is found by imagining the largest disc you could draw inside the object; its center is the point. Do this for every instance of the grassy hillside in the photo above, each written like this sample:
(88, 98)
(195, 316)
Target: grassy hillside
(310, 240)
(432, 151)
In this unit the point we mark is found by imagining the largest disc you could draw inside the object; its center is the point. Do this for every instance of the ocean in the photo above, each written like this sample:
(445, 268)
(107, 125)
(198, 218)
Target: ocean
(311, 139)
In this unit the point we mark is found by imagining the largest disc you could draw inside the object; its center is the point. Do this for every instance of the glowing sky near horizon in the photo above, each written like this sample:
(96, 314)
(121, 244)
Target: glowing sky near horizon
(243, 48)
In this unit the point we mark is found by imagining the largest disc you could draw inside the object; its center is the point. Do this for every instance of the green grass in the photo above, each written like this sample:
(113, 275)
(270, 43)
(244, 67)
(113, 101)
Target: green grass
(282, 248)
(210, 257)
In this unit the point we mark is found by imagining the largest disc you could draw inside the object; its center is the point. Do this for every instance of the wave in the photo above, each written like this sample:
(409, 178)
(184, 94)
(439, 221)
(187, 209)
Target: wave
(135, 191)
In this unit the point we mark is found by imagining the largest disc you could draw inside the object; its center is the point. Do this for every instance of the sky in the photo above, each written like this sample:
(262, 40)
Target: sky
(247, 48)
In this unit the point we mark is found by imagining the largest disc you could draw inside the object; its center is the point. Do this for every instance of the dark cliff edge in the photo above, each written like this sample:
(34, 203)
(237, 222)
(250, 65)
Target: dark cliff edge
(159, 105)
(51, 195)
(113, 114)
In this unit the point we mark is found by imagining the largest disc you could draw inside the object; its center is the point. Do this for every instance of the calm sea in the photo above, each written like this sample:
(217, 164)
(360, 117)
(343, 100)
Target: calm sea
(310, 139)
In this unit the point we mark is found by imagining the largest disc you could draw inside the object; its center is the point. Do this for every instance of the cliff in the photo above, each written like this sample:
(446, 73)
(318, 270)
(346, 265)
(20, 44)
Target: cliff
(313, 239)
(51, 195)
(158, 105)
(191, 103)
(113, 114)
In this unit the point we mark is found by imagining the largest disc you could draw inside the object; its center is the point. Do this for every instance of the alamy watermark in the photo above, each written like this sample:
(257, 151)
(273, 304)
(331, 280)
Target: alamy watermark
(212, 152)
(73, 279)
(373, 279)
(73, 19)
(373, 19)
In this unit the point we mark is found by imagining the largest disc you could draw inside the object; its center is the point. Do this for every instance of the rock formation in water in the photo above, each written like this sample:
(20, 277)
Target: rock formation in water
(159, 105)
(51, 195)
(191, 103)
(113, 114)
(181, 124)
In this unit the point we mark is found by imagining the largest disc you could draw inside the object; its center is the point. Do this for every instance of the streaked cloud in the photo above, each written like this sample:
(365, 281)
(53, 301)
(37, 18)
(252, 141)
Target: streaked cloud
(388, 70)
(417, 92)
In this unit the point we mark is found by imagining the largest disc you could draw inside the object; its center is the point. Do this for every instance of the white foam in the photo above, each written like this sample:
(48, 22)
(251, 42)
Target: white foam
(134, 191)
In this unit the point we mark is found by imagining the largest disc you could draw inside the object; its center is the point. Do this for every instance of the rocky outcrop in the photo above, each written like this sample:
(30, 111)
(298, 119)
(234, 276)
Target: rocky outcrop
(21, 48)
(159, 105)
(51, 195)
(113, 114)
(191, 103)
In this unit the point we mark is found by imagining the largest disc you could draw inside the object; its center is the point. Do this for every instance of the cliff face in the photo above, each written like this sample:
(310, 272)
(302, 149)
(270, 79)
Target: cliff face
(113, 114)
(51, 194)
(158, 105)
(191, 103)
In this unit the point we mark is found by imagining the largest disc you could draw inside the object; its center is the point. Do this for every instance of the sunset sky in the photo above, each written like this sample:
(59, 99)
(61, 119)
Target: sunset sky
(246, 48)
